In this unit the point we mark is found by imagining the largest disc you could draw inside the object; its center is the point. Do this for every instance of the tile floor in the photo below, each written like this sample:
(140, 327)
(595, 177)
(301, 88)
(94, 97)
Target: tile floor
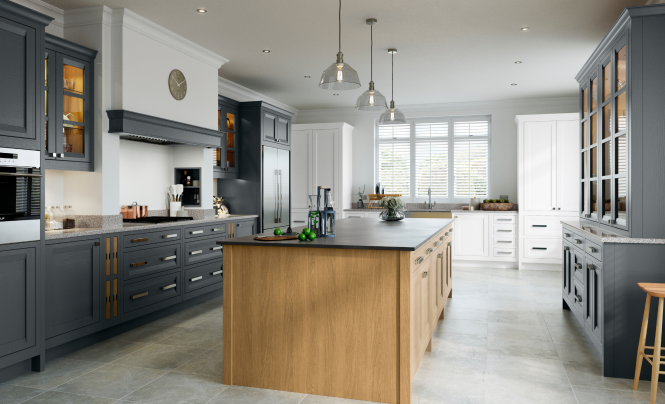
(505, 339)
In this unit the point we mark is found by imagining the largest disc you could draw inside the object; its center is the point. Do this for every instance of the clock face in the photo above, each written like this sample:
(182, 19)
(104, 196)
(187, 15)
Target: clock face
(177, 84)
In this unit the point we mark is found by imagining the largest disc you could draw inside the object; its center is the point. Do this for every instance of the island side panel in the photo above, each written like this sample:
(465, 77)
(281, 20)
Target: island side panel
(227, 329)
(405, 329)
(316, 321)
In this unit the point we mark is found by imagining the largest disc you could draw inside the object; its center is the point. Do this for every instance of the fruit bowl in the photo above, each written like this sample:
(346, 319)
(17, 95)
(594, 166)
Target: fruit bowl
(496, 206)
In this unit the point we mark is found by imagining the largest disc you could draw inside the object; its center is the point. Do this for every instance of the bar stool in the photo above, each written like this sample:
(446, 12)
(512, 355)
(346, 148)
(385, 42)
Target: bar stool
(652, 290)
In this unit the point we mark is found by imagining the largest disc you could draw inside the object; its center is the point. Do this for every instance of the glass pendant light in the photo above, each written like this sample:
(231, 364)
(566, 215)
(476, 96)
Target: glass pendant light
(371, 100)
(339, 76)
(393, 116)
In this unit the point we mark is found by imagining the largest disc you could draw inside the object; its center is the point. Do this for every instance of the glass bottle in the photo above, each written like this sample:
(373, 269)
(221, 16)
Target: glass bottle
(69, 221)
(58, 216)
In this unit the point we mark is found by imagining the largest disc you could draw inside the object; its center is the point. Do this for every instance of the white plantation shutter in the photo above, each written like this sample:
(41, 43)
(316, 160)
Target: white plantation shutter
(432, 168)
(432, 129)
(471, 168)
(395, 132)
(395, 167)
(472, 128)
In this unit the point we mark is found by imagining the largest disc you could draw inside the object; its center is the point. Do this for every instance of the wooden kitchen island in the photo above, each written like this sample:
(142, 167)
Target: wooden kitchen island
(349, 316)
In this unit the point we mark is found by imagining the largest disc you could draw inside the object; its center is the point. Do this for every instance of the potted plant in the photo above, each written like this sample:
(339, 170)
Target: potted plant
(393, 206)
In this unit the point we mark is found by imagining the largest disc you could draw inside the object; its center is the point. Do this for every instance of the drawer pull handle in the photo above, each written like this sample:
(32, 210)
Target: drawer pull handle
(169, 235)
(138, 264)
(197, 232)
(538, 225)
(578, 241)
(451, 230)
(196, 252)
(216, 273)
(442, 237)
(419, 260)
(436, 243)
(591, 267)
(169, 258)
(216, 248)
(578, 298)
(503, 252)
(504, 220)
(217, 229)
(425, 274)
(198, 278)
(539, 248)
(578, 266)
(302, 221)
(447, 233)
(171, 286)
(566, 248)
(140, 240)
(504, 231)
(429, 250)
(592, 249)
(566, 234)
(140, 295)
(504, 241)
(440, 255)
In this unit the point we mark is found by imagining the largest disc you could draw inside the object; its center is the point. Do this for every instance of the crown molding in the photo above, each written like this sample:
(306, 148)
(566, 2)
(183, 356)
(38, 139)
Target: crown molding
(235, 91)
(48, 6)
(79, 17)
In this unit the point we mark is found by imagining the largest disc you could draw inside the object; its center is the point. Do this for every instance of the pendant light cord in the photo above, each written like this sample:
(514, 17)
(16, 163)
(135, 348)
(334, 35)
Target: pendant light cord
(371, 53)
(392, 77)
(340, 25)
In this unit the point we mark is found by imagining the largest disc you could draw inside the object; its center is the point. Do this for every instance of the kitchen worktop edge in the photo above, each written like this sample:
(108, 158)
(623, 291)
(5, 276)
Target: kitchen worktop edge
(607, 237)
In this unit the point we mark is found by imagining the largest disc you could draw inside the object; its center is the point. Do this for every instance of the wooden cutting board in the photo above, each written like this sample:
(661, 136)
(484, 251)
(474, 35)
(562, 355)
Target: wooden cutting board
(275, 238)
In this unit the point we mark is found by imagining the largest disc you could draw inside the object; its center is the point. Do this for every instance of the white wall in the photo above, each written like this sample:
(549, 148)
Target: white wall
(503, 151)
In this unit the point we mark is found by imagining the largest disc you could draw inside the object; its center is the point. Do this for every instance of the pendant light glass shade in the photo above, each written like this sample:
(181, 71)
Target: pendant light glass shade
(371, 100)
(339, 76)
(392, 116)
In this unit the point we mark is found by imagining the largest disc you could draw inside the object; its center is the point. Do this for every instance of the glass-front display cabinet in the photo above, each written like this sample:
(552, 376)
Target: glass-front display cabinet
(68, 92)
(225, 158)
(604, 140)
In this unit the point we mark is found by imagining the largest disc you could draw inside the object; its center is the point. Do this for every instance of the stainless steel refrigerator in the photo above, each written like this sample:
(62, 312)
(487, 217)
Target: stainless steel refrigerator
(276, 196)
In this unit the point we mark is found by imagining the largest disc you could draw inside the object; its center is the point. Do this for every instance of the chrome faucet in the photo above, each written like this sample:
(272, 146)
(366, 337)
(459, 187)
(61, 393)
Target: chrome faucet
(429, 194)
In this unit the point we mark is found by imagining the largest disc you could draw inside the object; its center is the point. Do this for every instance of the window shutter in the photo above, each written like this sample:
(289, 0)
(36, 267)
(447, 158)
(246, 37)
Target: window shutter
(424, 130)
(471, 168)
(432, 168)
(395, 167)
(394, 132)
(471, 128)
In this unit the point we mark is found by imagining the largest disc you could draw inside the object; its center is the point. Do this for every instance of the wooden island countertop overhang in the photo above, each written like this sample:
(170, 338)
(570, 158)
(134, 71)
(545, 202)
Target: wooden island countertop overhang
(349, 316)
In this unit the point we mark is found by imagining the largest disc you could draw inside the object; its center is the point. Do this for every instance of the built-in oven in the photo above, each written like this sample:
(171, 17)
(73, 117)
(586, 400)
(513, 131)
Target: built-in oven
(20, 195)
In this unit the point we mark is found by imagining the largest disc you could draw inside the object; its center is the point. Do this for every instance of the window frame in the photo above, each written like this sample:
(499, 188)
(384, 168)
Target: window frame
(412, 198)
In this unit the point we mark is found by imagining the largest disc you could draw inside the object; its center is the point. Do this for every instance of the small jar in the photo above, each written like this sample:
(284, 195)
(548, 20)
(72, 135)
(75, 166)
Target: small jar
(69, 221)
(47, 218)
(58, 217)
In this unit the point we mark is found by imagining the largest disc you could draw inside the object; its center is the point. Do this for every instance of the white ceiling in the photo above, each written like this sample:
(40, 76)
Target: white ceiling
(448, 50)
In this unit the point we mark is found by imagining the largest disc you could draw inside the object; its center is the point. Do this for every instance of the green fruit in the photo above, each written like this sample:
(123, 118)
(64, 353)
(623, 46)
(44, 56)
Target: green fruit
(306, 231)
(302, 237)
(312, 236)
(277, 232)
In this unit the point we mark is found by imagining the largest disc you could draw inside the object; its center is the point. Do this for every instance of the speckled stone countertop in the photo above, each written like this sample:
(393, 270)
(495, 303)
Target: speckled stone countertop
(604, 236)
(502, 212)
(60, 234)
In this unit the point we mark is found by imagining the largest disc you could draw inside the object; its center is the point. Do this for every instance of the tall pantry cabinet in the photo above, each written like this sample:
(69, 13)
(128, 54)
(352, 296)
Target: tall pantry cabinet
(547, 173)
(320, 155)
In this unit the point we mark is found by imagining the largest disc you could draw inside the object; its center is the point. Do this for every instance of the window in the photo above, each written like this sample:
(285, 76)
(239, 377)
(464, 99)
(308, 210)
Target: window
(447, 156)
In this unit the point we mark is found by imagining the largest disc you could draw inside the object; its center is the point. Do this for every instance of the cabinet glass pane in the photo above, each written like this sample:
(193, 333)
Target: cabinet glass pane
(230, 121)
(607, 170)
(594, 128)
(622, 199)
(585, 164)
(72, 79)
(593, 163)
(216, 157)
(585, 134)
(46, 136)
(621, 68)
(585, 102)
(230, 159)
(622, 115)
(607, 82)
(72, 108)
(594, 94)
(219, 120)
(594, 197)
(46, 72)
(607, 120)
(230, 140)
(73, 139)
(585, 200)
(621, 158)
(607, 198)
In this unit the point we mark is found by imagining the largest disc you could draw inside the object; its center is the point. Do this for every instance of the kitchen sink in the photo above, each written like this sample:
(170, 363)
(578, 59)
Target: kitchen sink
(429, 215)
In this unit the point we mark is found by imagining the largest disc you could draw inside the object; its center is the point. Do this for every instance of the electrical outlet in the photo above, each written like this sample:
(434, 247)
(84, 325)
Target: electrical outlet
(503, 197)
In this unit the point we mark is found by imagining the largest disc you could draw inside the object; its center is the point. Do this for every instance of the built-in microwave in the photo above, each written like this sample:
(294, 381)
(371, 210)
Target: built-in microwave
(20, 195)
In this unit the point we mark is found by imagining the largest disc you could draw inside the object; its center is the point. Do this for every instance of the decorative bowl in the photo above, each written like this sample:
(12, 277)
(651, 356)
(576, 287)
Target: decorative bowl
(496, 206)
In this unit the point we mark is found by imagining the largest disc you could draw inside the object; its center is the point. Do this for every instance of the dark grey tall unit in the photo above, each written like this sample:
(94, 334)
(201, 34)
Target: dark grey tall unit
(226, 157)
(620, 237)
(262, 125)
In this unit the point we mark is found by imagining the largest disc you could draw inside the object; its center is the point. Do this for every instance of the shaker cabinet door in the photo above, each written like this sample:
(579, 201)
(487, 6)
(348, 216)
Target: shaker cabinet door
(471, 235)
(301, 165)
(567, 167)
(539, 166)
(283, 130)
(17, 296)
(269, 126)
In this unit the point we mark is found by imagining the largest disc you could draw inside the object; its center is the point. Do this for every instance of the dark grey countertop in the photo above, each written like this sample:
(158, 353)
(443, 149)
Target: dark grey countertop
(363, 234)
(604, 236)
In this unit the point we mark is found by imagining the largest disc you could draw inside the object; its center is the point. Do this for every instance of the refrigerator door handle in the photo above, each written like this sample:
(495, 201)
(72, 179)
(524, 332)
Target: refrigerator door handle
(280, 197)
(276, 194)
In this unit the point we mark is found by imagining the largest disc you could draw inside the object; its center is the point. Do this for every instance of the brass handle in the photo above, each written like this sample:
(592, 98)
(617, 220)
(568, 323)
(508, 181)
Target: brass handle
(170, 257)
(198, 278)
(215, 273)
(429, 250)
(138, 264)
(197, 232)
(419, 260)
(171, 286)
(217, 229)
(196, 252)
(140, 295)
(591, 249)
(97, 244)
(216, 248)
(425, 274)
(169, 235)
(140, 240)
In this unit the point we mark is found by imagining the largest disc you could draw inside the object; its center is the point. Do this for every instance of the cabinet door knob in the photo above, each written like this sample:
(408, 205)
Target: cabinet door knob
(62, 155)
(429, 251)
(425, 274)
(553, 208)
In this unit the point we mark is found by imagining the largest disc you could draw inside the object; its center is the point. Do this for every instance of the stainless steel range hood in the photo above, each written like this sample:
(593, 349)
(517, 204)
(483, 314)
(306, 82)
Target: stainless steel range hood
(149, 129)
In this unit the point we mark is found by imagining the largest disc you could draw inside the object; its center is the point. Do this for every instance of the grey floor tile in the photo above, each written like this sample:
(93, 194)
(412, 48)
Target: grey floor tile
(186, 318)
(534, 370)
(459, 343)
(10, 394)
(106, 351)
(57, 372)
(514, 306)
(433, 387)
(518, 331)
(250, 395)
(312, 399)
(56, 397)
(209, 363)
(195, 337)
(451, 362)
(509, 273)
(560, 317)
(501, 296)
(149, 333)
(530, 348)
(563, 332)
(543, 274)
(500, 391)
(478, 328)
(111, 381)
(212, 323)
(179, 388)
(500, 287)
(472, 293)
(522, 317)
(456, 313)
(159, 356)
(576, 352)
(594, 395)
(505, 280)
(590, 374)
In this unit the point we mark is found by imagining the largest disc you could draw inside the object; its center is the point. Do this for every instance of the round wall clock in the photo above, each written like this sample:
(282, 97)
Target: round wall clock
(177, 84)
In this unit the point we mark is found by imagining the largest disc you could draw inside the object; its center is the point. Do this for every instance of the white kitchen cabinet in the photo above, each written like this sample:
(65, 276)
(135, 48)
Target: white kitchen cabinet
(471, 238)
(482, 239)
(321, 156)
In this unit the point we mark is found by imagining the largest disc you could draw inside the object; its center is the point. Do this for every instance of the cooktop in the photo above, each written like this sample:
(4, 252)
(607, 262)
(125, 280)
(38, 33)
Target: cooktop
(157, 219)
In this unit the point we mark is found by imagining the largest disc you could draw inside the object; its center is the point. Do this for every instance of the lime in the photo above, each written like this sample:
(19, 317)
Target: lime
(277, 232)
(312, 236)
(302, 237)
(306, 231)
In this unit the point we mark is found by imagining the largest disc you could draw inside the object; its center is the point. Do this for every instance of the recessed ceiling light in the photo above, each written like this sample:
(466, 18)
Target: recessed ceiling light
(519, 62)
(335, 94)
(202, 10)
(308, 77)
(514, 84)
(266, 51)
(525, 28)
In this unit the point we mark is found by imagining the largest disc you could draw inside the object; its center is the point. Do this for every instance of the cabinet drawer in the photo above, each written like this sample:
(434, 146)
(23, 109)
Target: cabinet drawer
(504, 253)
(144, 293)
(575, 239)
(204, 275)
(505, 219)
(578, 293)
(504, 230)
(542, 248)
(150, 261)
(202, 250)
(299, 218)
(504, 242)
(593, 249)
(354, 215)
(206, 230)
(151, 237)
(542, 225)
(577, 265)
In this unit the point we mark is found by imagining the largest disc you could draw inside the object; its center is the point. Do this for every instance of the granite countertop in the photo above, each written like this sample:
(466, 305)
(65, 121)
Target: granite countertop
(503, 212)
(59, 234)
(363, 234)
(604, 236)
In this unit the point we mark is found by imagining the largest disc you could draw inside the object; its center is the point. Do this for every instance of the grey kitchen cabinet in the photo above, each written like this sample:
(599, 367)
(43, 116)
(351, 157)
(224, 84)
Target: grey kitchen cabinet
(18, 273)
(203, 276)
(593, 301)
(69, 93)
(138, 297)
(217, 229)
(244, 228)
(203, 249)
(225, 158)
(283, 130)
(141, 262)
(21, 99)
(72, 285)
(151, 237)
(276, 127)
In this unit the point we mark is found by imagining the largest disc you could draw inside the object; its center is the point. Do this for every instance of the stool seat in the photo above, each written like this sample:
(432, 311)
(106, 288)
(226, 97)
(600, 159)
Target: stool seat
(653, 289)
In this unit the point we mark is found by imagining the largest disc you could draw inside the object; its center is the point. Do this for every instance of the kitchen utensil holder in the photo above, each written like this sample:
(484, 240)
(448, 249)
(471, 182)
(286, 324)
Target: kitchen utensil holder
(174, 207)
